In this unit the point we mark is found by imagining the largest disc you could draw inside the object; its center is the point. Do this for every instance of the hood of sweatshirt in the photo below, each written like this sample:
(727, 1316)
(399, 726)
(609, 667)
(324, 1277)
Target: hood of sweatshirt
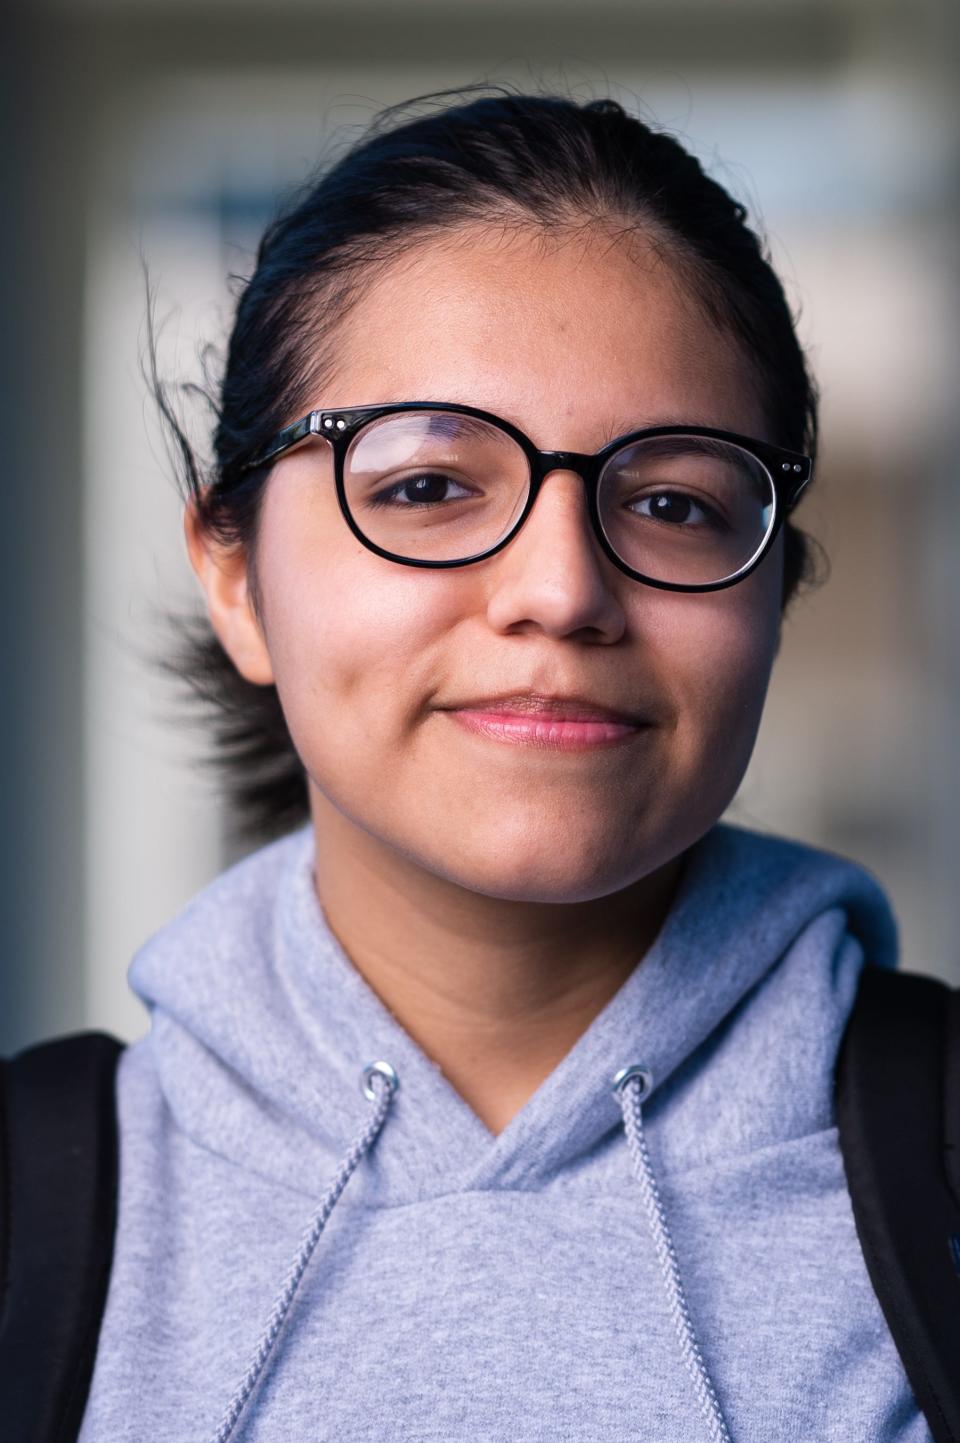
(262, 1026)
(709, 1075)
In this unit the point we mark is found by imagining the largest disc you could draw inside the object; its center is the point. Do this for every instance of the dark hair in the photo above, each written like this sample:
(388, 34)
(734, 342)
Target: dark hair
(524, 160)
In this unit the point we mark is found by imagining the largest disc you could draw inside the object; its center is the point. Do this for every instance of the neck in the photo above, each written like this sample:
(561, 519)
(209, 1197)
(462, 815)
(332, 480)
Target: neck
(494, 990)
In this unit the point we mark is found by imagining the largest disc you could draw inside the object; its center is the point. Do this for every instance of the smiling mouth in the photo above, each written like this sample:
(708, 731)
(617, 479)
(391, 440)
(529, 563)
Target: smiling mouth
(546, 731)
(560, 708)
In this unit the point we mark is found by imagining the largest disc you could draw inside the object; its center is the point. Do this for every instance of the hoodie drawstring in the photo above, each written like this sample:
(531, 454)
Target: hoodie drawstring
(631, 1085)
(271, 1331)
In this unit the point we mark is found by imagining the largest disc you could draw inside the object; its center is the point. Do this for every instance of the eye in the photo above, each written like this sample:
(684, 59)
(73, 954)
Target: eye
(426, 489)
(676, 508)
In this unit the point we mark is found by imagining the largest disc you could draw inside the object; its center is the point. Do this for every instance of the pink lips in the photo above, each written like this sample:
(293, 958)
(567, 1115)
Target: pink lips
(543, 730)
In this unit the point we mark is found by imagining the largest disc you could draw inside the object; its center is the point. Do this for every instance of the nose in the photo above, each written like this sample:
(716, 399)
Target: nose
(557, 539)
(572, 466)
(559, 577)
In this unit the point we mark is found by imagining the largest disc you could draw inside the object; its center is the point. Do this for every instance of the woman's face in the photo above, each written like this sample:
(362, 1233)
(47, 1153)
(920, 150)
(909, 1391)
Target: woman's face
(575, 343)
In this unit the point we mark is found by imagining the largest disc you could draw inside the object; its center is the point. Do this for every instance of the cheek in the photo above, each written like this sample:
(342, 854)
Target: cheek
(336, 645)
(351, 639)
(715, 652)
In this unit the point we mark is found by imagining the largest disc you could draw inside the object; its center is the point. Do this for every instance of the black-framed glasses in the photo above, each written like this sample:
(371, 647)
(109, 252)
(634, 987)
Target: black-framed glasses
(433, 483)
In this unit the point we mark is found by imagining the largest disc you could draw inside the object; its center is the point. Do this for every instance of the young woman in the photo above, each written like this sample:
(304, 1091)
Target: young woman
(492, 1099)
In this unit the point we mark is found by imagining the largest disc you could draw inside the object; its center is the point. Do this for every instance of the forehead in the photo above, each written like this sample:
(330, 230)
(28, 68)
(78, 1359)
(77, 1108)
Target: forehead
(593, 331)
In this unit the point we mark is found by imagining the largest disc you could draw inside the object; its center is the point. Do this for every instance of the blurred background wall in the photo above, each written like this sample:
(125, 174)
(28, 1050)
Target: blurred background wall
(166, 133)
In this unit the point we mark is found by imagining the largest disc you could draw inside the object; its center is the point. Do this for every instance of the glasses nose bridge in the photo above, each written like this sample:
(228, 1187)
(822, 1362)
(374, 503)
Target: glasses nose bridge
(584, 464)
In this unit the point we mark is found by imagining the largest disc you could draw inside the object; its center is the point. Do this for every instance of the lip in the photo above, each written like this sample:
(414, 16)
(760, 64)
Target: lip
(549, 708)
(546, 731)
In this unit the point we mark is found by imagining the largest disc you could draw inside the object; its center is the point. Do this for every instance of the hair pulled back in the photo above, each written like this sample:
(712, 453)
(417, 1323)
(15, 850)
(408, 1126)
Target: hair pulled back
(533, 161)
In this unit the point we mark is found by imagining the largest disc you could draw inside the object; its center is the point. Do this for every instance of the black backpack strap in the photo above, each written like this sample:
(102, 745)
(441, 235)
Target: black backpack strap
(898, 1115)
(58, 1194)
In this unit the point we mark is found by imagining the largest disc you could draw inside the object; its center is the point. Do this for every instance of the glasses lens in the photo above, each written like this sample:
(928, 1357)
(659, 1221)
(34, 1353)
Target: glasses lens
(435, 485)
(690, 510)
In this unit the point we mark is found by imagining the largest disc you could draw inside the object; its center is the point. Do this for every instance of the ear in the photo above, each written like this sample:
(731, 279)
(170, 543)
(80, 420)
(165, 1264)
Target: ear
(222, 572)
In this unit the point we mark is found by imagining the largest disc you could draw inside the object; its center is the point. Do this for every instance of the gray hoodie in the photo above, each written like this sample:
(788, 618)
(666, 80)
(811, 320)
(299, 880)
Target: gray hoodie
(311, 1248)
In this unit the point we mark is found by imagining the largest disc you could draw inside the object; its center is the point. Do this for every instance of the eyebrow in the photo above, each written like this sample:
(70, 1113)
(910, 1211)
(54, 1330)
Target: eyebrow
(452, 426)
(643, 423)
(608, 433)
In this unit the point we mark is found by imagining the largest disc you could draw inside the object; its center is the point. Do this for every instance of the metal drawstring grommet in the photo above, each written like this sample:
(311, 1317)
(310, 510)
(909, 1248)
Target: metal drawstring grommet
(636, 1069)
(385, 1070)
